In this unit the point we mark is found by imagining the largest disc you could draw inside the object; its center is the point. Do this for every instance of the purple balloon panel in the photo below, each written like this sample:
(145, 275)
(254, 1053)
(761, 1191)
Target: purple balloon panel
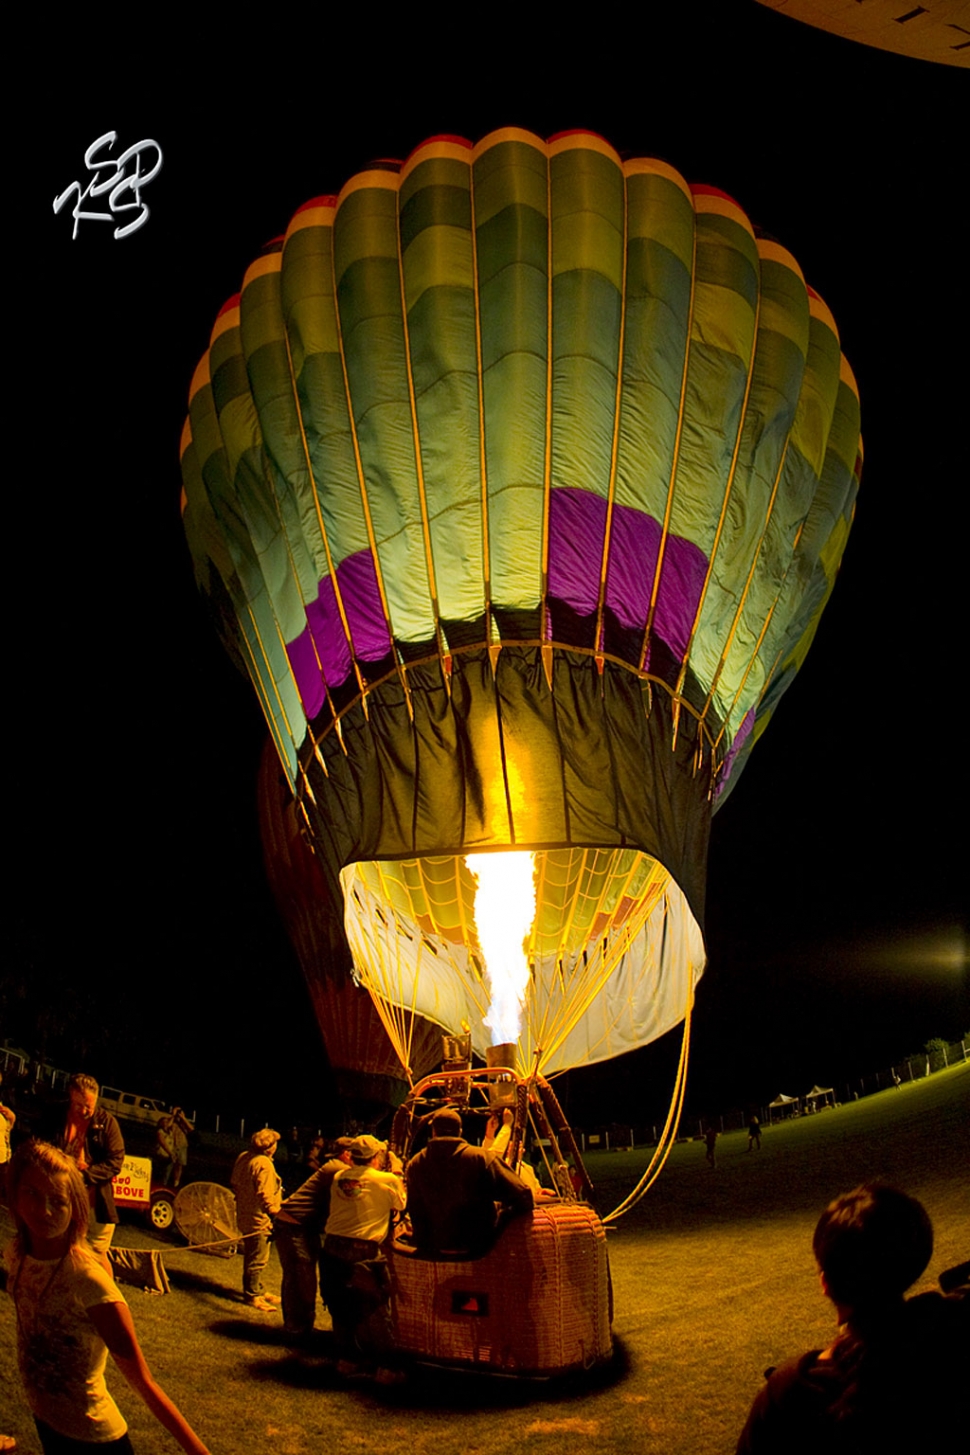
(306, 671)
(740, 737)
(320, 655)
(362, 603)
(577, 522)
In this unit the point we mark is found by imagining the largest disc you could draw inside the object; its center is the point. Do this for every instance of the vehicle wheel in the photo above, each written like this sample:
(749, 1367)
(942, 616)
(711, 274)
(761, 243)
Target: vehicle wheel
(162, 1211)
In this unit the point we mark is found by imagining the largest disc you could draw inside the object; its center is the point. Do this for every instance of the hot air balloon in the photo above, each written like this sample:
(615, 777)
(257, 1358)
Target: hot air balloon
(518, 476)
(933, 32)
(369, 1074)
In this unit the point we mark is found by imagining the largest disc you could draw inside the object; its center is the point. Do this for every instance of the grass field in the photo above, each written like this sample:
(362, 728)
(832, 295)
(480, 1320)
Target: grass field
(713, 1279)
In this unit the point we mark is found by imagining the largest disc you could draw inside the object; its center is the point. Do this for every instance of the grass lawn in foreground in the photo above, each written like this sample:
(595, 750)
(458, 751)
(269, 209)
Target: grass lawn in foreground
(713, 1277)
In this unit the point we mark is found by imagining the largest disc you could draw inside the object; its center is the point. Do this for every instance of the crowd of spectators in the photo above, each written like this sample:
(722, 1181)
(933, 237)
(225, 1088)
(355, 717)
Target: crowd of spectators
(892, 1359)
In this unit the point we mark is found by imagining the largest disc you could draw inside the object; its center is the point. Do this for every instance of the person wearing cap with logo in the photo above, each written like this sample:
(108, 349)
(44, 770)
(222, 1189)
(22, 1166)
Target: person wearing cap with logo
(353, 1273)
(258, 1192)
(453, 1189)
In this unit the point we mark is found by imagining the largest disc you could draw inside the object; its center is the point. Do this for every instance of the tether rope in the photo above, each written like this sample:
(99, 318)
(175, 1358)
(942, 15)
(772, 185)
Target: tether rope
(669, 1134)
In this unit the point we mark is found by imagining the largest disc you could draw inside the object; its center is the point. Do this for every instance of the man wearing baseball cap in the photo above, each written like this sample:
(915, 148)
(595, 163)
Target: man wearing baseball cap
(353, 1272)
(258, 1191)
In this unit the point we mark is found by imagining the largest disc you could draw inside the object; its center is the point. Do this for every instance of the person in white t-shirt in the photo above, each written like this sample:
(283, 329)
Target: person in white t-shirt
(353, 1274)
(70, 1315)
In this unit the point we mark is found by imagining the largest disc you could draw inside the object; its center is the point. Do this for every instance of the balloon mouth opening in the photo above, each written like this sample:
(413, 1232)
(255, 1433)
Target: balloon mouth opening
(602, 951)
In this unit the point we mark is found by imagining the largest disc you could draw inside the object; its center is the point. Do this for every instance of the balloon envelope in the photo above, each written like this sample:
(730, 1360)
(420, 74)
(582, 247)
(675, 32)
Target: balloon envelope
(518, 476)
(368, 1069)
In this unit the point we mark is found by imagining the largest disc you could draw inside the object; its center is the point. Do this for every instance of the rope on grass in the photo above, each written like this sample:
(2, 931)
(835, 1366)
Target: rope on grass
(218, 1243)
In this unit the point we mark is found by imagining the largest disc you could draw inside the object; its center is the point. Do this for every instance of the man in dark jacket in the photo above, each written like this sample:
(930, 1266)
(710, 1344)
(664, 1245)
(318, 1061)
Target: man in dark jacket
(92, 1137)
(453, 1189)
(296, 1232)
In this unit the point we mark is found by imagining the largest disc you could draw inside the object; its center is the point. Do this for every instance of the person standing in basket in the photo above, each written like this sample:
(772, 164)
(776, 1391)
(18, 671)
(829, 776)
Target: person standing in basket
(455, 1192)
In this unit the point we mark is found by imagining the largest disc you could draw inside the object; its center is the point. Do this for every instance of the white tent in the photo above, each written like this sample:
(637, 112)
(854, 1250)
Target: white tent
(784, 1104)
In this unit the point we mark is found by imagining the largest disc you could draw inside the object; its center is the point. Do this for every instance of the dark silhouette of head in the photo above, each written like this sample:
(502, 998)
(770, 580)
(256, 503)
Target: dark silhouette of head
(446, 1123)
(871, 1244)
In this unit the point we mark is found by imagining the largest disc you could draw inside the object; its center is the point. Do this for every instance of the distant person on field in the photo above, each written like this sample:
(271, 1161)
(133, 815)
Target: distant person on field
(897, 1369)
(259, 1193)
(710, 1142)
(754, 1134)
(92, 1138)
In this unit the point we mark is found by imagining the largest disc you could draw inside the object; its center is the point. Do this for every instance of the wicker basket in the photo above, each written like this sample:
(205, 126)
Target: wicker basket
(538, 1303)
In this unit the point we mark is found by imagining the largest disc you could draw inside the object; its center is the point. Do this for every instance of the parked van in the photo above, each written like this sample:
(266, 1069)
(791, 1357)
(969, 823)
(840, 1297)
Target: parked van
(132, 1108)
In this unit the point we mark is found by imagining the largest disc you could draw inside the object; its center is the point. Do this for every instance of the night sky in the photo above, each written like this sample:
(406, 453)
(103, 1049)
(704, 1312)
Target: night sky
(142, 940)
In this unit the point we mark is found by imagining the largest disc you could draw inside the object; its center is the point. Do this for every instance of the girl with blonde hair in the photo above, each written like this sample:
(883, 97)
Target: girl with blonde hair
(70, 1315)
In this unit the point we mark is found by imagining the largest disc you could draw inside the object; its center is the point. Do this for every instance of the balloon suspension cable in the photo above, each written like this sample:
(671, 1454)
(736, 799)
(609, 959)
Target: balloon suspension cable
(534, 1073)
(669, 1134)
